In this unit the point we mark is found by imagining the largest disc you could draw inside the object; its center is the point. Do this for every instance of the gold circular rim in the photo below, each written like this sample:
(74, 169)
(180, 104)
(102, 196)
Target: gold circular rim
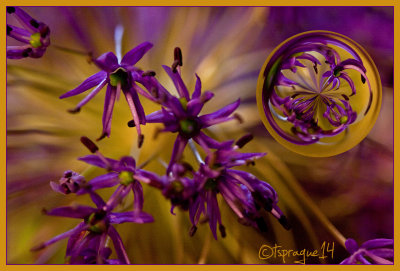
(322, 150)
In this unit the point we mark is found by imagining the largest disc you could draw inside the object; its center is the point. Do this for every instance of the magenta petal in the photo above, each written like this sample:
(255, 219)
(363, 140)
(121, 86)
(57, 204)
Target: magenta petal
(350, 81)
(213, 211)
(134, 55)
(75, 237)
(212, 143)
(133, 217)
(78, 211)
(25, 19)
(136, 105)
(351, 245)
(90, 82)
(138, 196)
(19, 34)
(309, 57)
(221, 113)
(109, 102)
(92, 94)
(97, 200)
(177, 151)
(107, 62)
(127, 163)
(376, 243)
(197, 88)
(96, 161)
(194, 106)
(17, 52)
(80, 227)
(57, 188)
(103, 181)
(118, 245)
(178, 82)
(157, 117)
(195, 210)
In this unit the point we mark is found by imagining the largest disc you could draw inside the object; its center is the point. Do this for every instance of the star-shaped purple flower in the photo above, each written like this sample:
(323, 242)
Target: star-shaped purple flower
(117, 75)
(87, 241)
(375, 251)
(35, 35)
(181, 115)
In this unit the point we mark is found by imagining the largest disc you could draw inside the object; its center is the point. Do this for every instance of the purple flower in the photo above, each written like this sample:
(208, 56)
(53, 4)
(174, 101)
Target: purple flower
(181, 115)
(121, 172)
(244, 193)
(375, 251)
(87, 241)
(118, 75)
(177, 187)
(309, 86)
(35, 35)
(71, 182)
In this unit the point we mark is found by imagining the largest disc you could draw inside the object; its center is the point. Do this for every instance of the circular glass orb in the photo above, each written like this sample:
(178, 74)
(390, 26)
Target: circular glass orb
(319, 93)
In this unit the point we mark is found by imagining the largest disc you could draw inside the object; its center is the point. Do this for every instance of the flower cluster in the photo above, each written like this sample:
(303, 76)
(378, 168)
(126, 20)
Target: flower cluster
(192, 190)
(303, 89)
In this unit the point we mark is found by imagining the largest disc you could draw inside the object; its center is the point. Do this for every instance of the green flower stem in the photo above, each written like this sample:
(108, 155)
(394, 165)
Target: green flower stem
(309, 204)
(72, 51)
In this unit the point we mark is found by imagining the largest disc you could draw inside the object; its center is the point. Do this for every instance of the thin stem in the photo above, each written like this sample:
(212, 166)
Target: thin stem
(195, 152)
(205, 250)
(312, 207)
(69, 50)
(119, 32)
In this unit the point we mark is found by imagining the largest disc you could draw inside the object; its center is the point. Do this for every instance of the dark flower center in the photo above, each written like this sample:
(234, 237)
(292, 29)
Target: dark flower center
(177, 186)
(189, 127)
(119, 76)
(210, 184)
(96, 220)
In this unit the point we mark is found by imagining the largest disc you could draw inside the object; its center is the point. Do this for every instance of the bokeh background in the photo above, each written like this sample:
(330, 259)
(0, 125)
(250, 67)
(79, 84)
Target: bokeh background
(226, 47)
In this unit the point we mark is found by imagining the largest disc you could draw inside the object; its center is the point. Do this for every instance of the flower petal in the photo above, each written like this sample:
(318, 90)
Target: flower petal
(134, 55)
(178, 82)
(109, 102)
(221, 113)
(103, 181)
(97, 161)
(75, 231)
(133, 217)
(197, 88)
(79, 211)
(90, 82)
(118, 245)
(107, 62)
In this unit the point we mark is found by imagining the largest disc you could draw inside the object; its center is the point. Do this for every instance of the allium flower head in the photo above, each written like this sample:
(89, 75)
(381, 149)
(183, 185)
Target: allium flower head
(315, 86)
(375, 251)
(181, 115)
(35, 35)
(121, 172)
(117, 75)
(244, 193)
(87, 241)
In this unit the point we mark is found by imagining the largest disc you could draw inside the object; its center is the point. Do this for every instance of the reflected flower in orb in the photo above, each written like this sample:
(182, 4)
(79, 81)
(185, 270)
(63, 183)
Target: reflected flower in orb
(319, 93)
